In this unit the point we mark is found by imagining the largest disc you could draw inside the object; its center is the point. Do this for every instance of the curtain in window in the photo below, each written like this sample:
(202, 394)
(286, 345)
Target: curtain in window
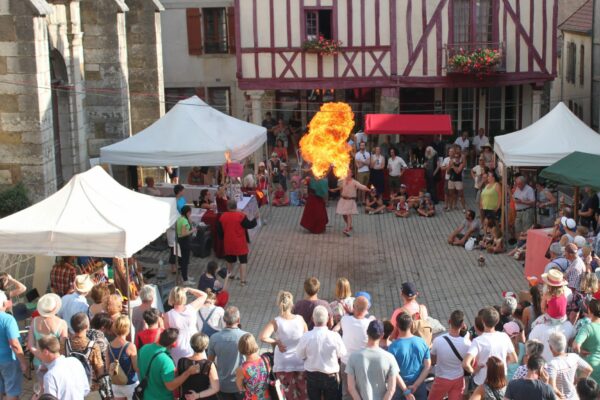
(462, 20)
(483, 33)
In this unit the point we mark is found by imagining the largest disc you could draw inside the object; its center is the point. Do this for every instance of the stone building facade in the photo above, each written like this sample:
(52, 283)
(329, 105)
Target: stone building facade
(75, 75)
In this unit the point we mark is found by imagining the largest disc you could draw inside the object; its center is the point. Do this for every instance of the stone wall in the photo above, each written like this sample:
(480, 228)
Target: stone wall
(144, 49)
(106, 72)
(26, 136)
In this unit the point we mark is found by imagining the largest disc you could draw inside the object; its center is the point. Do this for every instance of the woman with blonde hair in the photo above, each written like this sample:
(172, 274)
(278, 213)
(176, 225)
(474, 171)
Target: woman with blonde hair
(183, 316)
(114, 306)
(289, 328)
(342, 305)
(252, 376)
(125, 353)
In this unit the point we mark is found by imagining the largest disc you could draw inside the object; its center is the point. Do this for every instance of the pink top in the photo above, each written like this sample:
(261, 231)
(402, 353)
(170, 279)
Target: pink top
(349, 188)
(557, 307)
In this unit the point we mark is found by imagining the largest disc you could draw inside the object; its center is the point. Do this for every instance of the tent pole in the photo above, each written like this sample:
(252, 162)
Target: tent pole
(504, 203)
(129, 311)
(576, 203)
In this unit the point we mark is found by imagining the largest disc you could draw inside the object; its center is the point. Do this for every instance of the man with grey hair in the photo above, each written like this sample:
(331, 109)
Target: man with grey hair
(557, 260)
(564, 368)
(223, 346)
(137, 314)
(320, 349)
(524, 198)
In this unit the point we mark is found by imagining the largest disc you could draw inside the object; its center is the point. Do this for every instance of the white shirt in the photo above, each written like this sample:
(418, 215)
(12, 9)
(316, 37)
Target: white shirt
(66, 379)
(478, 170)
(479, 141)
(489, 344)
(445, 165)
(526, 194)
(563, 369)
(395, 165)
(320, 350)
(463, 143)
(378, 161)
(447, 365)
(542, 333)
(363, 158)
(355, 334)
(360, 137)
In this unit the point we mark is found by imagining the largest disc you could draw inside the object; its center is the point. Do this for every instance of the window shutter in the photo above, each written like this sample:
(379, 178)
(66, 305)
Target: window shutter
(194, 31)
(200, 92)
(231, 29)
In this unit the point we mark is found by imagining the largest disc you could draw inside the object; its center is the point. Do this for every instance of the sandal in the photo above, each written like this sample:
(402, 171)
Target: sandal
(243, 283)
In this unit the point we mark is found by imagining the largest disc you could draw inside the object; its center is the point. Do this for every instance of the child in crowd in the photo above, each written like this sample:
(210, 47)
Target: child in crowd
(426, 208)
(402, 208)
(488, 233)
(296, 198)
(280, 198)
(395, 197)
(374, 203)
(497, 244)
(415, 201)
(554, 298)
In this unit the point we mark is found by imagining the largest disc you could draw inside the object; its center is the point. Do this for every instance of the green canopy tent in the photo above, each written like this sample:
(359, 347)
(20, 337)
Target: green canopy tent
(577, 169)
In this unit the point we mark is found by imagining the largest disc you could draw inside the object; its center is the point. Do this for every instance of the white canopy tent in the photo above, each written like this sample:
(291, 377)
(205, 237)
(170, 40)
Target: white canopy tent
(91, 215)
(551, 138)
(191, 134)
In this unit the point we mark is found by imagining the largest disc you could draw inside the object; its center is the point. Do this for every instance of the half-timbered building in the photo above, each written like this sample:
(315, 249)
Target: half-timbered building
(399, 56)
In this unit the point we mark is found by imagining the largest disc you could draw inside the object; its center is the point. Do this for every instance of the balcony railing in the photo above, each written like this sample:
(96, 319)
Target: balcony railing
(480, 59)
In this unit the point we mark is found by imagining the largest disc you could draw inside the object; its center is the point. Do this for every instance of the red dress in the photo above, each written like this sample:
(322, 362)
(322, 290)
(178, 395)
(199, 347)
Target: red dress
(234, 234)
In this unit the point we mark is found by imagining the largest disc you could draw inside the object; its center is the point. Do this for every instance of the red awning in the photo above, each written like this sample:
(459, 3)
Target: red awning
(408, 124)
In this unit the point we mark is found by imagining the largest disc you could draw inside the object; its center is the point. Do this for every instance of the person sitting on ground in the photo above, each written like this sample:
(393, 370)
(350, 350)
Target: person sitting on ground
(280, 198)
(426, 207)
(415, 201)
(395, 197)
(152, 320)
(487, 238)
(497, 245)
(296, 195)
(519, 251)
(374, 203)
(468, 228)
(402, 208)
(343, 303)
(204, 385)
(311, 300)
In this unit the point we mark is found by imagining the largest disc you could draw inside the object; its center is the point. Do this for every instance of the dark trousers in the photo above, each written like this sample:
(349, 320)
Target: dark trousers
(184, 260)
(326, 385)
(230, 396)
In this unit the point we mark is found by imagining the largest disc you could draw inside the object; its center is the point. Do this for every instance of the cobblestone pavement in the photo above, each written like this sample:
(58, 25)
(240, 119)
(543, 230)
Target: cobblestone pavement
(383, 252)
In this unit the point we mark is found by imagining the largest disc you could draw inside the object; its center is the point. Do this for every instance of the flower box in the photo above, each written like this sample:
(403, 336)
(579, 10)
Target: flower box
(322, 46)
(482, 61)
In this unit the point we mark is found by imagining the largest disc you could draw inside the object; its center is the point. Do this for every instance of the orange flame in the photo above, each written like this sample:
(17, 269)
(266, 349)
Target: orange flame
(325, 144)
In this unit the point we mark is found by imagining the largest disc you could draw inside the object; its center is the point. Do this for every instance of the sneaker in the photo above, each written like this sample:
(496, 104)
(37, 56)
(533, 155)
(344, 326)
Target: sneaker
(189, 282)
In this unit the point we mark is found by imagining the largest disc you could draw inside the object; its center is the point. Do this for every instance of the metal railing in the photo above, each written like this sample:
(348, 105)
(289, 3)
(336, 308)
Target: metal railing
(471, 50)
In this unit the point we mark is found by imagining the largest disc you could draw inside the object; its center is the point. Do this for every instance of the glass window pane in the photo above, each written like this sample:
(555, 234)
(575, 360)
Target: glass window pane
(312, 28)
(462, 20)
(215, 30)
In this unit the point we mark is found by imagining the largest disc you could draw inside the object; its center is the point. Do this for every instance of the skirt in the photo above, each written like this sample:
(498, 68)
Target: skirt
(314, 217)
(346, 207)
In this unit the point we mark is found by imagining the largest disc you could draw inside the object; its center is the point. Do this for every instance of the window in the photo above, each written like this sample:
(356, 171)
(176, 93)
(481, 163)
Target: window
(511, 110)
(571, 62)
(219, 98)
(467, 12)
(173, 95)
(215, 30)
(494, 110)
(319, 23)
(460, 104)
(581, 65)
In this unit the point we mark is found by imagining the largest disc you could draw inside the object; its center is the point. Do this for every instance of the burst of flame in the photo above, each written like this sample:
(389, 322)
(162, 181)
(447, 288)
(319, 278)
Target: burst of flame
(325, 144)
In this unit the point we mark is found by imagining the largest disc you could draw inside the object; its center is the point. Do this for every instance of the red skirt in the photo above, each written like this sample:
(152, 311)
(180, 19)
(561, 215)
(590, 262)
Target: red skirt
(314, 217)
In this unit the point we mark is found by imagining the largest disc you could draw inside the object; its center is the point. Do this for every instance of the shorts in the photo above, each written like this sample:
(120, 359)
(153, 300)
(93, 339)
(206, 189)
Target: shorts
(124, 390)
(491, 214)
(174, 173)
(11, 379)
(455, 185)
(363, 177)
(243, 259)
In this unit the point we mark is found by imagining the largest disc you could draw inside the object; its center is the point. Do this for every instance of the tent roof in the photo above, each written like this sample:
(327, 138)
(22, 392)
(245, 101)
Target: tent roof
(92, 215)
(554, 136)
(408, 124)
(192, 133)
(576, 169)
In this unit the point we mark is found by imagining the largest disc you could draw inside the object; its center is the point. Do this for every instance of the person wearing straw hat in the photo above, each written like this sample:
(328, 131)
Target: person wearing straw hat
(46, 324)
(76, 301)
(554, 299)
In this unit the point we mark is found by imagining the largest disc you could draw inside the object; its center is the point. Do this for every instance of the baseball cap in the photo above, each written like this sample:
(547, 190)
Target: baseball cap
(409, 289)
(511, 328)
(366, 295)
(375, 329)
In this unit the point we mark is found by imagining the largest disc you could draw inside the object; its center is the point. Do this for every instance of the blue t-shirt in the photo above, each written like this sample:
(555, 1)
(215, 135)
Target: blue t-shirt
(224, 346)
(180, 203)
(8, 330)
(410, 353)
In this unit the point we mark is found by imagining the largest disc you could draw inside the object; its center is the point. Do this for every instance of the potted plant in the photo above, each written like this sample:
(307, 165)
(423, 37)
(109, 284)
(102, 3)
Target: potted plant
(480, 62)
(322, 46)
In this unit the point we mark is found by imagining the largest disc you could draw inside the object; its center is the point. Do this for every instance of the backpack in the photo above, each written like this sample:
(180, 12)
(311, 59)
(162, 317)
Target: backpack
(84, 358)
(422, 328)
(206, 328)
(116, 372)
